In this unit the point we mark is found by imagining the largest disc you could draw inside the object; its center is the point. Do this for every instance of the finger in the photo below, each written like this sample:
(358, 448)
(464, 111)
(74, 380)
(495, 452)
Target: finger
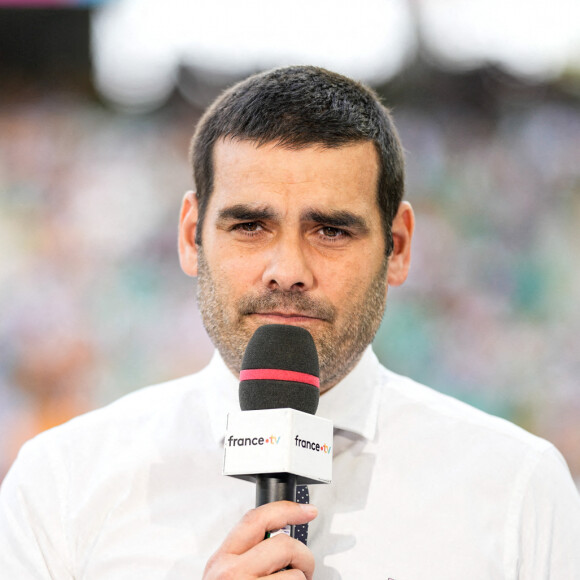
(268, 559)
(274, 554)
(272, 516)
(292, 574)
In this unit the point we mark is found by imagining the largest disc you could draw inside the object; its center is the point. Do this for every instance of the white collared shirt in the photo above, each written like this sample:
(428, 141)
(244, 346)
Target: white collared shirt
(424, 487)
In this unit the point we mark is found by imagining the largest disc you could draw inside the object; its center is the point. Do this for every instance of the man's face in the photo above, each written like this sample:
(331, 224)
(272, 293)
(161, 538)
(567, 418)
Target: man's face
(292, 237)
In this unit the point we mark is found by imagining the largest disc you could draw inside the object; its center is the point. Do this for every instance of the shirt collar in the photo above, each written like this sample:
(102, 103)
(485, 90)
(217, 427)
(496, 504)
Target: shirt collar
(352, 404)
(221, 394)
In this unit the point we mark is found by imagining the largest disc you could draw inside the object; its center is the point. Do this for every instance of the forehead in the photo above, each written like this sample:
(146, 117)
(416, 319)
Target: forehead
(343, 176)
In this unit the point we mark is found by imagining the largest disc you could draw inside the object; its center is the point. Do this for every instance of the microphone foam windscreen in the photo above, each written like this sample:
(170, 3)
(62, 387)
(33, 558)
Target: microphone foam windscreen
(280, 370)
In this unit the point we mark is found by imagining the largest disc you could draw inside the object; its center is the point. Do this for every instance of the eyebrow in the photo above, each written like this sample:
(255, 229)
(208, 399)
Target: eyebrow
(245, 212)
(337, 219)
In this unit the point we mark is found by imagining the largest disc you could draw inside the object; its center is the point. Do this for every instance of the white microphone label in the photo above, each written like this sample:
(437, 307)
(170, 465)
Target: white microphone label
(278, 441)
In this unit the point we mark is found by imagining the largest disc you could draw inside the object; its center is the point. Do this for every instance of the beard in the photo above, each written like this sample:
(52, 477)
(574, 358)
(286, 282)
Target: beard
(339, 344)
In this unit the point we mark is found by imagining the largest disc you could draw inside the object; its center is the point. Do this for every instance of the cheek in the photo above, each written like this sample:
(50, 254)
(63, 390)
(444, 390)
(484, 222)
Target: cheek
(235, 275)
(340, 282)
(349, 285)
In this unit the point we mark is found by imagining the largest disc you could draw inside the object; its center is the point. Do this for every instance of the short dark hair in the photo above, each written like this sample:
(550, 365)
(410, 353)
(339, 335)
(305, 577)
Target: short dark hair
(296, 107)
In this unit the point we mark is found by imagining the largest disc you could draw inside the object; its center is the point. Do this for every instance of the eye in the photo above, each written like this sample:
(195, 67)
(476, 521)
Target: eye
(332, 233)
(248, 228)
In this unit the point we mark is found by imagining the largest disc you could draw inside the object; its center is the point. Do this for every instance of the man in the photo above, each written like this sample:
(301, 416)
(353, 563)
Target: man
(297, 219)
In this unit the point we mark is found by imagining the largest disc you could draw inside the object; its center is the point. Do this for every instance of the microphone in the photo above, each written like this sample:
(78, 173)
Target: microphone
(279, 370)
(275, 440)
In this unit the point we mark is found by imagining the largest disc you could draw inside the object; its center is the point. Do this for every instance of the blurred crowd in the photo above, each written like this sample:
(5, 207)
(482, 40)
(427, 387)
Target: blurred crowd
(93, 303)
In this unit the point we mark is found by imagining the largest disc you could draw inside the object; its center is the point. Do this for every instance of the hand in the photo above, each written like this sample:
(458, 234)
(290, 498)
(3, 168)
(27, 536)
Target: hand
(245, 555)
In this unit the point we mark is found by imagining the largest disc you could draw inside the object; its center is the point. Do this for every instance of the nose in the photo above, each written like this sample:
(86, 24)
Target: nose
(288, 267)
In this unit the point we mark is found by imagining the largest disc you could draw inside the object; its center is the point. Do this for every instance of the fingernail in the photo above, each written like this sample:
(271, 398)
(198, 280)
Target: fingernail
(309, 509)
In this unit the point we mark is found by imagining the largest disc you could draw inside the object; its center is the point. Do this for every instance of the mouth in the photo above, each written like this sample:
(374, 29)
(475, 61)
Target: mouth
(286, 317)
(286, 309)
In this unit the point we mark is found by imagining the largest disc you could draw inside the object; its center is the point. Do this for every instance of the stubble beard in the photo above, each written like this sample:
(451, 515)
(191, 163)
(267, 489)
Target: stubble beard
(339, 347)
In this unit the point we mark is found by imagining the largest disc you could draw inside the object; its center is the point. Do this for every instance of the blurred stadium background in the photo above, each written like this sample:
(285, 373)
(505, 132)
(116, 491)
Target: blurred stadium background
(98, 101)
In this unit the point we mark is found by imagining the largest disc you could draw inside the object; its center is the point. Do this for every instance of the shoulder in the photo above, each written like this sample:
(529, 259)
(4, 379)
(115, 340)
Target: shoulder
(136, 412)
(470, 449)
(72, 478)
(457, 427)
(126, 432)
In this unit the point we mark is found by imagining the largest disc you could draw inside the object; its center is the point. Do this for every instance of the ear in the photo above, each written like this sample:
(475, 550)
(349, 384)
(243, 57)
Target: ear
(186, 238)
(400, 259)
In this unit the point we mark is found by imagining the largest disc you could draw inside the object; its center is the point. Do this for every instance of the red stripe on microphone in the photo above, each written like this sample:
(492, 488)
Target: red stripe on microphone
(279, 375)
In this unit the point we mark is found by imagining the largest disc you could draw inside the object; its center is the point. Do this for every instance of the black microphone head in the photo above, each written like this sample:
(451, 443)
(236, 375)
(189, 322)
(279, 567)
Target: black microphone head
(280, 370)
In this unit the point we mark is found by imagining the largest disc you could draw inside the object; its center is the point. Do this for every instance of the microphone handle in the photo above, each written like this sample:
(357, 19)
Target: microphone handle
(276, 487)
